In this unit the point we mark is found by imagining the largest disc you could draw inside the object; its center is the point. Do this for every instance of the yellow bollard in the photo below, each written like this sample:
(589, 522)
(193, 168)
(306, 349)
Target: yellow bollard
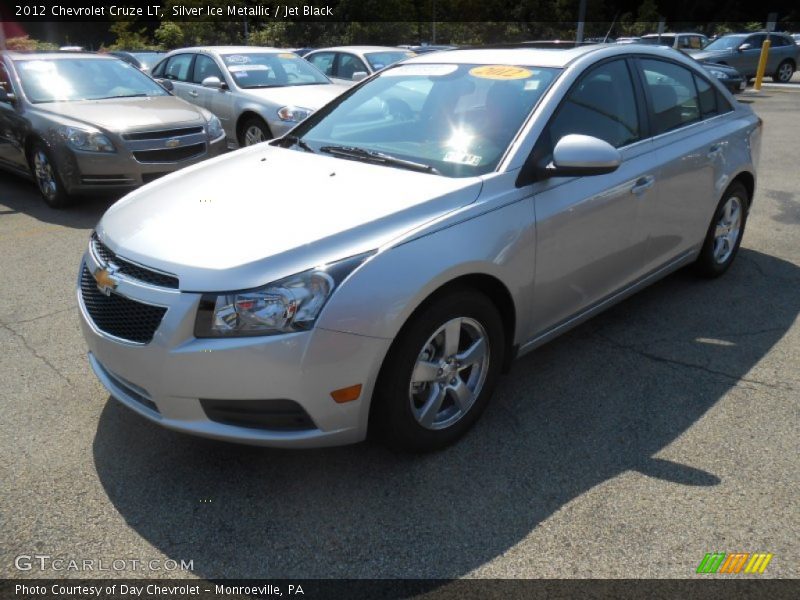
(762, 65)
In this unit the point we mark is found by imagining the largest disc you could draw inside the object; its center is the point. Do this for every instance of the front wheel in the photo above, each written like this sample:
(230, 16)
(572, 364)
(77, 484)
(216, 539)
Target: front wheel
(725, 232)
(784, 72)
(440, 373)
(47, 177)
(253, 131)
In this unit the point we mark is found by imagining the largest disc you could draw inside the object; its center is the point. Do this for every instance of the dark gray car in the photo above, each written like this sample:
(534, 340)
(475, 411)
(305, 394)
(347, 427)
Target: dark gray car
(743, 50)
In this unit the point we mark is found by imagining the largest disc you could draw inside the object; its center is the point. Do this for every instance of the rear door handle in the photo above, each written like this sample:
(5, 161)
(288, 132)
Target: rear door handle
(643, 184)
(714, 150)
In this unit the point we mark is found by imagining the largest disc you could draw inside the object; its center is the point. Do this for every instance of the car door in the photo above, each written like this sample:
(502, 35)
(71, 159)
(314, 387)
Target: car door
(689, 146)
(589, 238)
(781, 48)
(178, 70)
(12, 126)
(218, 101)
(347, 65)
(746, 60)
(324, 61)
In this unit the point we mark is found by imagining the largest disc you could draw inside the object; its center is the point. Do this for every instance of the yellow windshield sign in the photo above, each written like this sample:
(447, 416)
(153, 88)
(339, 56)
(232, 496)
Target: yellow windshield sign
(500, 72)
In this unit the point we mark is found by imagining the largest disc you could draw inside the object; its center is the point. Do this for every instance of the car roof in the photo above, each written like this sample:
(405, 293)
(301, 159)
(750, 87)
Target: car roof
(364, 49)
(230, 49)
(14, 55)
(540, 57)
(655, 35)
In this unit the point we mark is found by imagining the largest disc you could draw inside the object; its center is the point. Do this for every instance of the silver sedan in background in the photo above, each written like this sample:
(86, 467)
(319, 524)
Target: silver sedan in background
(378, 268)
(257, 93)
(85, 122)
(350, 64)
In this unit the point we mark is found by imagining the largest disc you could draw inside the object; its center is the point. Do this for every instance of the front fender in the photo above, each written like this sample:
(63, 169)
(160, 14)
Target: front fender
(378, 298)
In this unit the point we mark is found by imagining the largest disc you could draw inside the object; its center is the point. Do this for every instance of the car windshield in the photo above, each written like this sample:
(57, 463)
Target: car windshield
(381, 60)
(727, 42)
(72, 79)
(665, 40)
(147, 59)
(456, 119)
(265, 70)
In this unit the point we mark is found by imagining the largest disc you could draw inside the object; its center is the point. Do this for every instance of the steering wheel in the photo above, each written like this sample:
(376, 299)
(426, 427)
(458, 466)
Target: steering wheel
(399, 110)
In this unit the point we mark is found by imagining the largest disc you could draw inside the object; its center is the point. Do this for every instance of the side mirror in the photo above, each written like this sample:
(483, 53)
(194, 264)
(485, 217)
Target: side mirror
(745, 46)
(166, 84)
(360, 75)
(578, 155)
(6, 97)
(214, 83)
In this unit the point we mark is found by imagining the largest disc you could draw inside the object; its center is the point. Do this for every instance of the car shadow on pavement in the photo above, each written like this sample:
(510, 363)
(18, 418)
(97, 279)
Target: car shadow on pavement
(599, 401)
(18, 195)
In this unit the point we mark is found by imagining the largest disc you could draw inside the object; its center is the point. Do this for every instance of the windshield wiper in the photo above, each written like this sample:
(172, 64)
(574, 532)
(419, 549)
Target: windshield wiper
(293, 140)
(127, 96)
(378, 157)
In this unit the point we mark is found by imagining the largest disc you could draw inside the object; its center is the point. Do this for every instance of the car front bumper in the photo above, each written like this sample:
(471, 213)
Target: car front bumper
(166, 379)
(84, 172)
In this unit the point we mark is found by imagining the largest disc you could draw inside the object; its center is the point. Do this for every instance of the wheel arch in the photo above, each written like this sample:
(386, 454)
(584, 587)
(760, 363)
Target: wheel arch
(748, 180)
(248, 114)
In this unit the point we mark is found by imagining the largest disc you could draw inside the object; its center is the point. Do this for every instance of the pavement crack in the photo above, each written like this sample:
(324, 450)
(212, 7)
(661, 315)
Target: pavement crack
(687, 365)
(33, 351)
(50, 314)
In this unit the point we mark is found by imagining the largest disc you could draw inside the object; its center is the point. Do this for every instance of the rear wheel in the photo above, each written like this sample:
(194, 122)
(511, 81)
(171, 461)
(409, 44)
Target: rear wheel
(725, 232)
(47, 177)
(253, 130)
(784, 72)
(440, 373)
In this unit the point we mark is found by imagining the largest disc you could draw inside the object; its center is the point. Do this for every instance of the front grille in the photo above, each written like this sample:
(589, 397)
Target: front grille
(132, 270)
(272, 415)
(160, 135)
(119, 316)
(167, 155)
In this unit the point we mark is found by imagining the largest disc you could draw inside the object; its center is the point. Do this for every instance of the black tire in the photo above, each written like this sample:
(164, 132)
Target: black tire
(711, 262)
(253, 122)
(784, 72)
(392, 419)
(50, 184)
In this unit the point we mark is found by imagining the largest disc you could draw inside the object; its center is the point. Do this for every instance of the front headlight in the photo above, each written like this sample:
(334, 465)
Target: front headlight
(88, 141)
(284, 306)
(214, 128)
(718, 74)
(294, 114)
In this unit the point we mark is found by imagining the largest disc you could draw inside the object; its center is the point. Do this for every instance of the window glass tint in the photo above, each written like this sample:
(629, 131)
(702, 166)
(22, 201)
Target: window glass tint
(271, 69)
(756, 41)
(777, 40)
(204, 67)
(158, 71)
(324, 62)
(5, 81)
(349, 65)
(673, 96)
(723, 105)
(707, 97)
(178, 67)
(381, 60)
(602, 105)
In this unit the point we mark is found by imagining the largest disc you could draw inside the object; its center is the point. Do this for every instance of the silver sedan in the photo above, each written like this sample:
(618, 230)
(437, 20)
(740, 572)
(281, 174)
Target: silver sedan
(257, 93)
(376, 270)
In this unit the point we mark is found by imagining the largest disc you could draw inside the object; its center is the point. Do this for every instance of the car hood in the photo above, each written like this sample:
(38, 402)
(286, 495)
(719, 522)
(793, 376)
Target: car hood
(710, 55)
(262, 213)
(305, 96)
(122, 114)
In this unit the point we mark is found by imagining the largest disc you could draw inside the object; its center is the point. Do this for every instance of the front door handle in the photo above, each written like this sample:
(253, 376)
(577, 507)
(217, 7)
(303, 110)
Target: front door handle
(714, 150)
(643, 184)
(193, 94)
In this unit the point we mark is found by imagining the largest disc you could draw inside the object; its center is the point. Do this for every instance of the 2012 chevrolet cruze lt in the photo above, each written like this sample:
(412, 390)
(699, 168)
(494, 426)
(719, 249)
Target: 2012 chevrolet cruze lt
(377, 268)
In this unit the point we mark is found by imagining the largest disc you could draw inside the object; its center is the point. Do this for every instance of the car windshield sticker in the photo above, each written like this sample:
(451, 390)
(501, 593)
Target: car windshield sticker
(462, 158)
(236, 59)
(236, 69)
(37, 65)
(532, 84)
(288, 55)
(420, 70)
(500, 72)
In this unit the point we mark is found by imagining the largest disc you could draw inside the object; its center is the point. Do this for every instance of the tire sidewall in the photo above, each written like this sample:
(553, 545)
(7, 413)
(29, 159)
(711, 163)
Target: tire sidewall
(392, 420)
(249, 122)
(777, 76)
(61, 197)
(706, 261)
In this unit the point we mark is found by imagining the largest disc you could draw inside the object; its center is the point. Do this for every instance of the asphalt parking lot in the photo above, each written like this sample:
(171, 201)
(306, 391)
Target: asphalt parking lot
(661, 430)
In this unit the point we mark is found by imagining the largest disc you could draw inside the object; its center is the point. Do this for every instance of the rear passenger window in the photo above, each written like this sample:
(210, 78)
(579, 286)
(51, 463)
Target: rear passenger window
(672, 94)
(204, 66)
(707, 96)
(602, 105)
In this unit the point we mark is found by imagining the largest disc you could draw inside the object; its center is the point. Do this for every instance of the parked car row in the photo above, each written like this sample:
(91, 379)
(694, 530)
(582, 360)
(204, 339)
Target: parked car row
(372, 271)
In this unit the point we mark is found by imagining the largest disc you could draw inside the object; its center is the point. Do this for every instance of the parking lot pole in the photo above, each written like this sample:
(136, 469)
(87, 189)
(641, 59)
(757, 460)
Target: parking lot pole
(762, 64)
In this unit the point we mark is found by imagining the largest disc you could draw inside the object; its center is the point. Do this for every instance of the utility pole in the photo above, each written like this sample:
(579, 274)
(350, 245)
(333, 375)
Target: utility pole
(581, 19)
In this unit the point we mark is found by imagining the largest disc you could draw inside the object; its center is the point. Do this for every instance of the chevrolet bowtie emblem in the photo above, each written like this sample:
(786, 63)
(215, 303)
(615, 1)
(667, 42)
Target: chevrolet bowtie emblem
(173, 143)
(105, 280)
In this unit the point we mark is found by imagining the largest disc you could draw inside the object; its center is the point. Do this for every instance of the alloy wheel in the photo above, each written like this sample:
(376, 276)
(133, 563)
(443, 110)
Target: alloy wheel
(45, 176)
(728, 228)
(254, 135)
